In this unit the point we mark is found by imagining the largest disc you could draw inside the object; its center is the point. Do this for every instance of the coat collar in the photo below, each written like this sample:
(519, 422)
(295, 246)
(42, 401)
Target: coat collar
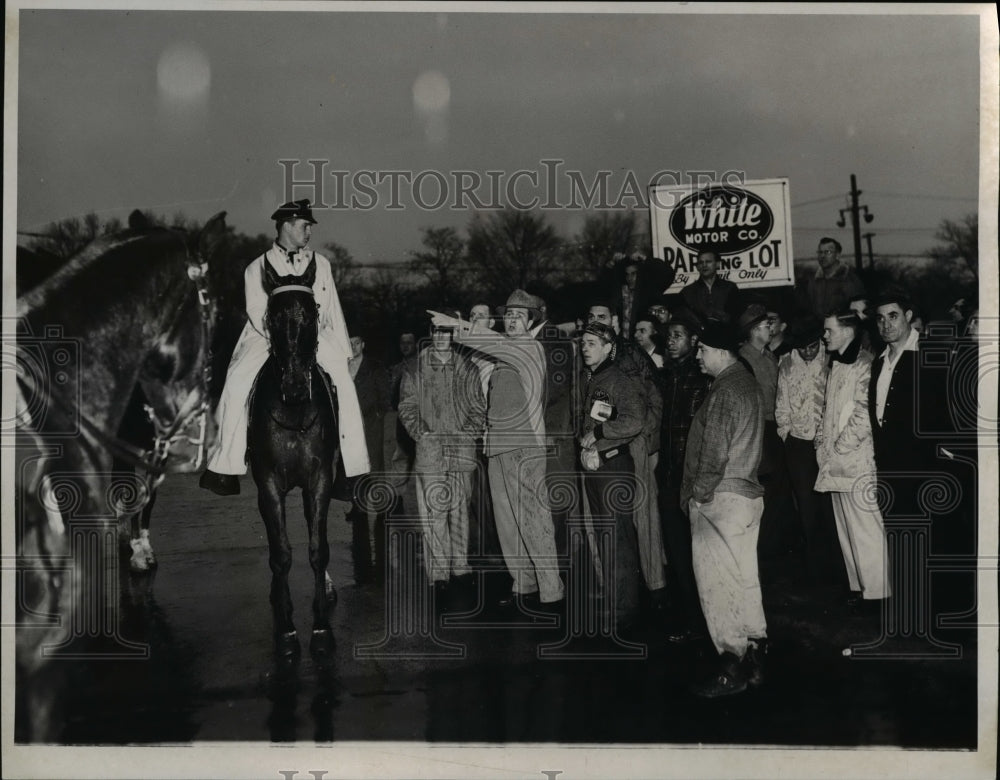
(849, 355)
(912, 344)
(605, 365)
(840, 270)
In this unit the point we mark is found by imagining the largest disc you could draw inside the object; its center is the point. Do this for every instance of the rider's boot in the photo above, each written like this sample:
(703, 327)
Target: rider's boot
(222, 484)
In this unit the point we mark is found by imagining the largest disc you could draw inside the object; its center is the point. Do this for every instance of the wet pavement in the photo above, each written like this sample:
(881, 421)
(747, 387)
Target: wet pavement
(396, 674)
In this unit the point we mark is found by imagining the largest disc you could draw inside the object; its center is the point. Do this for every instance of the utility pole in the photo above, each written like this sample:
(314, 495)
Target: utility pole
(855, 210)
(868, 239)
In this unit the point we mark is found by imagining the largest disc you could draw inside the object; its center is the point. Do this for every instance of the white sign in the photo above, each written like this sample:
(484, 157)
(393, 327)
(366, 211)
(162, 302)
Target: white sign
(747, 224)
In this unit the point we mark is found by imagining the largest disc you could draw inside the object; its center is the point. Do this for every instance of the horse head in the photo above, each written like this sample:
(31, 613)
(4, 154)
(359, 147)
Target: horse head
(129, 307)
(293, 327)
(176, 373)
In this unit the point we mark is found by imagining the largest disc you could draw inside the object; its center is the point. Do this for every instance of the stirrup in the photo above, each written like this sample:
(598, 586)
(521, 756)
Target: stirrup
(220, 484)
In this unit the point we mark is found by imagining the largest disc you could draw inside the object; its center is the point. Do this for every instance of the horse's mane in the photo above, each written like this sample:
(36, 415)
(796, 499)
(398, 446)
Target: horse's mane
(39, 295)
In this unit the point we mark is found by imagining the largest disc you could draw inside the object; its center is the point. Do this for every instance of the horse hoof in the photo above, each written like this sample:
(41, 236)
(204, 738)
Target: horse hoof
(287, 644)
(147, 549)
(321, 642)
(139, 562)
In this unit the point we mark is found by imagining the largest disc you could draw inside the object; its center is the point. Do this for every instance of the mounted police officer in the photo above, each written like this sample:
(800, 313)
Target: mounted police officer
(288, 256)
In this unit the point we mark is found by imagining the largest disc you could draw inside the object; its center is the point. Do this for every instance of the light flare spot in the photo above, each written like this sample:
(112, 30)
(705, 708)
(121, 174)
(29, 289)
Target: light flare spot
(183, 72)
(431, 92)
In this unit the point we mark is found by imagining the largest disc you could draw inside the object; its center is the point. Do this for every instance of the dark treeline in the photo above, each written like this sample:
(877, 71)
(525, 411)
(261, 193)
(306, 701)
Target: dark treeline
(499, 252)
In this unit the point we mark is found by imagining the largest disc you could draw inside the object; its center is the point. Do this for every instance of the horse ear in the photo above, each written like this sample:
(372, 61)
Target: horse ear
(212, 236)
(138, 221)
(270, 279)
(310, 273)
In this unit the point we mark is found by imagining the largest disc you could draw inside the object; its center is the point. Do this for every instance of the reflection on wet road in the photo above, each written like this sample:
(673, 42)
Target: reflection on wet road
(211, 673)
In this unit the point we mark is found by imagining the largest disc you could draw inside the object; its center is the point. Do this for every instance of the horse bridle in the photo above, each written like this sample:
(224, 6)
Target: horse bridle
(169, 433)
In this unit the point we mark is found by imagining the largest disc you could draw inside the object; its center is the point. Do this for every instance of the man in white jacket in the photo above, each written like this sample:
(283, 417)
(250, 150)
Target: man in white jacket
(289, 257)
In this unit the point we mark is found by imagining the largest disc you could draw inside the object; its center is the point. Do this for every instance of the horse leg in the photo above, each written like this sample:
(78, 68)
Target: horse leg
(361, 547)
(143, 558)
(125, 520)
(316, 502)
(137, 561)
(271, 502)
(143, 522)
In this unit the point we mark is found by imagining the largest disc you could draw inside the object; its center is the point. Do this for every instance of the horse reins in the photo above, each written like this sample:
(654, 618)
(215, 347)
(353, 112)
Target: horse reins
(167, 434)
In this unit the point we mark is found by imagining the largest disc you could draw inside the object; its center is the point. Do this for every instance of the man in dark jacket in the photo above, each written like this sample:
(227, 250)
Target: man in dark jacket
(637, 282)
(611, 417)
(685, 388)
(724, 501)
(833, 284)
(634, 361)
(710, 296)
(779, 530)
(892, 394)
(908, 404)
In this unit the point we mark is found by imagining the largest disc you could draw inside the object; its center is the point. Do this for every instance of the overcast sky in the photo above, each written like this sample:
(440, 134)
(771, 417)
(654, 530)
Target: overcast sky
(191, 111)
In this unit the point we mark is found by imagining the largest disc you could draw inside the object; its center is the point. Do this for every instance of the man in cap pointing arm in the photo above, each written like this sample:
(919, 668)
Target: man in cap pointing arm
(516, 447)
(289, 256)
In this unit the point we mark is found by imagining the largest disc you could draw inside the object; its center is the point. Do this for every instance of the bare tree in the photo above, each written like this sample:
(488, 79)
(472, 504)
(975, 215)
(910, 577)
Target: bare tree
(66, 237)
(345, 269)
(961, 240)
(386, 295)
(442, 262)
(511, 247)
(606, 239)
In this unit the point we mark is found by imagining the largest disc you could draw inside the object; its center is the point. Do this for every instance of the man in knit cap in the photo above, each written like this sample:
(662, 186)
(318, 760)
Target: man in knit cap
(724, 501)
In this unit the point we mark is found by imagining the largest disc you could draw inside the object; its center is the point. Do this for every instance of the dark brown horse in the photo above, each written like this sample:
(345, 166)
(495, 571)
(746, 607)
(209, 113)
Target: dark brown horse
(34, 266)
(131, 309)
(293, 442)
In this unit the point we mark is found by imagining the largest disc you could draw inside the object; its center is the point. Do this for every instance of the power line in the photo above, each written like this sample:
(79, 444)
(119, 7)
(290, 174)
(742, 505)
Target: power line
(818, 200)
(881, 230)
(910, 195)
(921, 196)
(907, 230)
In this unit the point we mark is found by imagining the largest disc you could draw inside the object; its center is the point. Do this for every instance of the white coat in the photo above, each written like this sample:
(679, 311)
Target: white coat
(252, 350)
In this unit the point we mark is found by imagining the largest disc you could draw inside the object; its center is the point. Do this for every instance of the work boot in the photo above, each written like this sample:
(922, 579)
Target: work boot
(462, 591)
(684, 635)
(753, 661)
(658, 606)
(730, 679)
(221, 484)
(515, 600)
(441, 596)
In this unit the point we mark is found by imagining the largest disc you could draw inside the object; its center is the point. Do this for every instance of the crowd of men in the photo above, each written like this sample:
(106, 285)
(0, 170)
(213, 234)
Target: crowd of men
(682, 448)
(718, 439)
